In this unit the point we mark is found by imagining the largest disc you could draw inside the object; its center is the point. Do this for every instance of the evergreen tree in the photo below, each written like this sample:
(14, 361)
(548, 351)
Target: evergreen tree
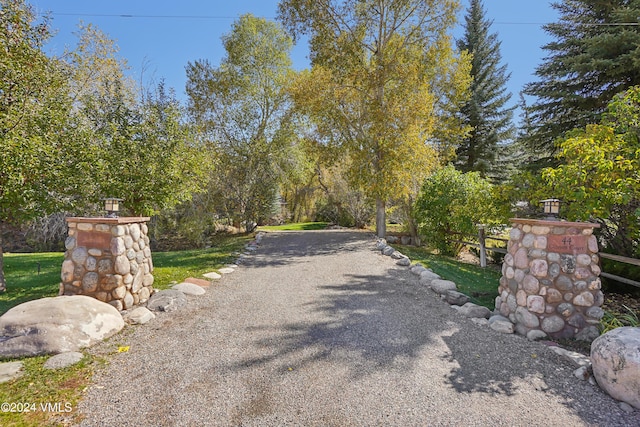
(594, 56)
(486, 111)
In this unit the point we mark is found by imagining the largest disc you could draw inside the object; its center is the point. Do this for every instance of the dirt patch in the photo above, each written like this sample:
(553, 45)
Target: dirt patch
(620, 304)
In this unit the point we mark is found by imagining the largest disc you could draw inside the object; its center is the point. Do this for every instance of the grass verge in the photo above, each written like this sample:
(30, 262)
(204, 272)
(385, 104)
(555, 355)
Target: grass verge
(34, 276)
(299, 226)
(45, 397)
(392, 229)
(480, 284)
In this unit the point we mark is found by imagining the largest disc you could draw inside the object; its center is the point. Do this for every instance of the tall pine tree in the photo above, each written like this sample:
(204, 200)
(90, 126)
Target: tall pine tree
(486, 112)
(594, 56)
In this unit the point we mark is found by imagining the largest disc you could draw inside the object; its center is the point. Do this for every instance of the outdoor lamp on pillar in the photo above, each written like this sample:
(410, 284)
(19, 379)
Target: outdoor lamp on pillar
(551, 208)
(112, 206)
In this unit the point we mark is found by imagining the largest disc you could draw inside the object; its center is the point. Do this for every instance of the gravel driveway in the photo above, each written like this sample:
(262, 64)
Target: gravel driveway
(319, 329)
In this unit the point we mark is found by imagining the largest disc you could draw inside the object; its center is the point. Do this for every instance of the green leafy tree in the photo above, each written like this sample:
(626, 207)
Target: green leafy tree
(164, 164)
(142, 151)
(600, 173)
(486, 112)
(243, 109)
(454, 202)
(39, 151)
(384, 87)
(594, 56)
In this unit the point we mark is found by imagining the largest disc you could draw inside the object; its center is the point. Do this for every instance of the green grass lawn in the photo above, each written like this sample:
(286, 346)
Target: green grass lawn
(176, 266)
(25, 284)
(299, 226)
(480, 284)
(392, 229)
(39, 387)
(23, 281)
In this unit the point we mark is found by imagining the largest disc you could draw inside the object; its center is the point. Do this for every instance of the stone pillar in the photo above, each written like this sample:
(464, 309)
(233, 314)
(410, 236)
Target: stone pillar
(108, 259)
(550, 279)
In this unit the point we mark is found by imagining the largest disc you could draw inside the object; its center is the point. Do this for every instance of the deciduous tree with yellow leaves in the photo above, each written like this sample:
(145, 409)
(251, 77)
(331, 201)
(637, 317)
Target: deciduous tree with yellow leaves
(384, 88)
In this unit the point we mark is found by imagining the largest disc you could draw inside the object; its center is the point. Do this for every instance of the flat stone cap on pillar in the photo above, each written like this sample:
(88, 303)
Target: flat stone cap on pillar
(115, 221)
(549, 223)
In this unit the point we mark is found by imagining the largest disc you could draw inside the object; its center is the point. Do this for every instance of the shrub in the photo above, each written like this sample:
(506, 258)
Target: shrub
(451, 201)
(598, 177)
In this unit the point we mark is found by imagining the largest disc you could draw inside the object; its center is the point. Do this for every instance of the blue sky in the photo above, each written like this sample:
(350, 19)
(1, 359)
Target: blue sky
(163, 36)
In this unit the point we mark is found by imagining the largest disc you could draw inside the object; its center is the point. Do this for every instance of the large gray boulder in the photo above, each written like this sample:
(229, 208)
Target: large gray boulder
(404, 262)
(139, 316)
(388, 250)
(615, 357)
(417, 269)
(57, 325)
(189, 289)
(501, 324)
(456, 298)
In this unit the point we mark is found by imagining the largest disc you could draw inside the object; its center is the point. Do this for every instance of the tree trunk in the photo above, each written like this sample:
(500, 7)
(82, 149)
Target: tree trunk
(411, 221)
(381, 218)
(413, 230)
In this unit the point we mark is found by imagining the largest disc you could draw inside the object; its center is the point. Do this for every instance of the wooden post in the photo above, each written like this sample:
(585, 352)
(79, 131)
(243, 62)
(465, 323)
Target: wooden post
(483, 248)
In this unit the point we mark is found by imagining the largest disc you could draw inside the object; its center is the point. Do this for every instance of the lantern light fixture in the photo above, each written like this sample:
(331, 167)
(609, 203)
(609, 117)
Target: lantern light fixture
(112, 206)
(551, 208)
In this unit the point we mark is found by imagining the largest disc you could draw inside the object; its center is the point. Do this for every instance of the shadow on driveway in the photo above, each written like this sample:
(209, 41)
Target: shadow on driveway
(369, 323)
(373, 324)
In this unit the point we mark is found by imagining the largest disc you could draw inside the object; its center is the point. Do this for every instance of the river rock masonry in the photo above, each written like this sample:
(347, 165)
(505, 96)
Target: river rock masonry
(108, 259)
(550, 279)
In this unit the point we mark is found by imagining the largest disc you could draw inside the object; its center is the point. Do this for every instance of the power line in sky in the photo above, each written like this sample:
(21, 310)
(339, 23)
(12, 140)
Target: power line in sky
(126, 15)
(133, 16)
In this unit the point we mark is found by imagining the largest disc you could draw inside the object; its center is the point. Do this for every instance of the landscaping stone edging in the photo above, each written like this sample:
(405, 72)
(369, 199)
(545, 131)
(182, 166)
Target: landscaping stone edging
(172, 299)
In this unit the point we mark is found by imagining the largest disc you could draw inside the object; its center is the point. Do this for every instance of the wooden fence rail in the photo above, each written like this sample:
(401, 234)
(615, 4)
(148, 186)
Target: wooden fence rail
(483, 248)
(482, 244)
(623, 259)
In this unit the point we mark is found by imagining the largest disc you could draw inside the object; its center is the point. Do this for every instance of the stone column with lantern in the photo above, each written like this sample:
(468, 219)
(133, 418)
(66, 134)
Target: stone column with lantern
(550, 281)
(108, 258)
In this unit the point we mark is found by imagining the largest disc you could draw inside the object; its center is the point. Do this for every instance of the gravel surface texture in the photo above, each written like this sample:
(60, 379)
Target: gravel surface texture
(319, 329)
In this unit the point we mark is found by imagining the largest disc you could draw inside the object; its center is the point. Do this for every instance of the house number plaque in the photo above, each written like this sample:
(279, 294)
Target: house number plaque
(94, 239)
(567, 244)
